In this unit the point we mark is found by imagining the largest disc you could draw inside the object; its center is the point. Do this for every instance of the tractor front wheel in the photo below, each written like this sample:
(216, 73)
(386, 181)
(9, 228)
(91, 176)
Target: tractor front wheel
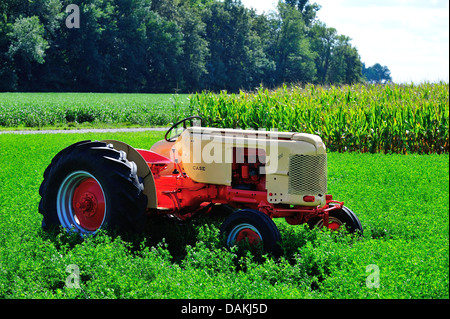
(253, 228)
(337, 219)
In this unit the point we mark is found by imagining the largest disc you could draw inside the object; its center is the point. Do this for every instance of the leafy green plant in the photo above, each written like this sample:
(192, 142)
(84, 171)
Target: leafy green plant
(51, 109)
(401, 200)
(364, 118)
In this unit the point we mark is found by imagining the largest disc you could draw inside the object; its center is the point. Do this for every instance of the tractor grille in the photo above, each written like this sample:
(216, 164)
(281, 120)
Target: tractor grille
(308, 174)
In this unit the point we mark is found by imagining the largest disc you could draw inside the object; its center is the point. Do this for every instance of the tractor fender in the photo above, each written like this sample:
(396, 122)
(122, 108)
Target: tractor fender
(143, 170)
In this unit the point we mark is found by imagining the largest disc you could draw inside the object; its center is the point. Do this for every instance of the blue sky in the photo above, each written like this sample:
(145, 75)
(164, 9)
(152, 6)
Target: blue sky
(410, 37)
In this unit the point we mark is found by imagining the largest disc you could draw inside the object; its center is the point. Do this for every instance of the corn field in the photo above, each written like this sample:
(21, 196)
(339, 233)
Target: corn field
(366, 118)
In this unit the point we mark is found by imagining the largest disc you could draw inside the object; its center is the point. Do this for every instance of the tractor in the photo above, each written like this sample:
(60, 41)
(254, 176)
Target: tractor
(261, 175)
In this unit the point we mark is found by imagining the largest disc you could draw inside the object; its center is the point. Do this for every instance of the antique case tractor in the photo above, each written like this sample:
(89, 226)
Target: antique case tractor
(260, 174)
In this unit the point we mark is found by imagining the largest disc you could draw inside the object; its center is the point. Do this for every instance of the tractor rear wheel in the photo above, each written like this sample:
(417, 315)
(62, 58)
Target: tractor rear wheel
(252, 227)
(339, 218)
(90, 186)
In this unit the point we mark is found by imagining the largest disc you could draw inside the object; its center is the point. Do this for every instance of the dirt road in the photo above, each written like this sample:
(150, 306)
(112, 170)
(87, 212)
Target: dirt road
(112, 130)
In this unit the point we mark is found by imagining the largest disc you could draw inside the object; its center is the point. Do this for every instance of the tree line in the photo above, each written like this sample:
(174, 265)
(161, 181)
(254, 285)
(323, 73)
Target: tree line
(169, 46)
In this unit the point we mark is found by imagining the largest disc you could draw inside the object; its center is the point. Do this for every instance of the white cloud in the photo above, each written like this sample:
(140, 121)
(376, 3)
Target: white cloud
(410, 37)
(261, 5)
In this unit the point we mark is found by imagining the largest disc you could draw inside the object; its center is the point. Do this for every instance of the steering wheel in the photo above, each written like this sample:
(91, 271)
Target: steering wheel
(174, 138)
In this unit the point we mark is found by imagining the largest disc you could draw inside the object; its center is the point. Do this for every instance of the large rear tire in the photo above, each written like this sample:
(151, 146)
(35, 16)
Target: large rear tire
(90, 186)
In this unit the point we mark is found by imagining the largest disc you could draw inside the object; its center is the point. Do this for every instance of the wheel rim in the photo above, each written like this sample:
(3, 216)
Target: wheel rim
(242, 232)
(333, 223)
(81, 202)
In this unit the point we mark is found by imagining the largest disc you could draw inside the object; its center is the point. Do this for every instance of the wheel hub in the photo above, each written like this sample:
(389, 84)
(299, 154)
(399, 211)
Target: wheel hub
(333, 225)
(252, 237)
(87, 204)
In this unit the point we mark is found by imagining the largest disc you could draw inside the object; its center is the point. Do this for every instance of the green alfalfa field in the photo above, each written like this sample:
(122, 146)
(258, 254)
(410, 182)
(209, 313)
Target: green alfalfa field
(401, 199)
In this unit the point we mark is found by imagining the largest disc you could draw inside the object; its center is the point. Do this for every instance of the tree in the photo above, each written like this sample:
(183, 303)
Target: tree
(307, 10)
(167, 46)
(8, 76)
(345, 64)
(89, 51)
(27, 46)
(262, 32)
(376, 73)
(323, 40)
(163, 45)
(236, 58)
(127, 54)
(195, 47)
(293, 56)
(337, 61)
(26, 28)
